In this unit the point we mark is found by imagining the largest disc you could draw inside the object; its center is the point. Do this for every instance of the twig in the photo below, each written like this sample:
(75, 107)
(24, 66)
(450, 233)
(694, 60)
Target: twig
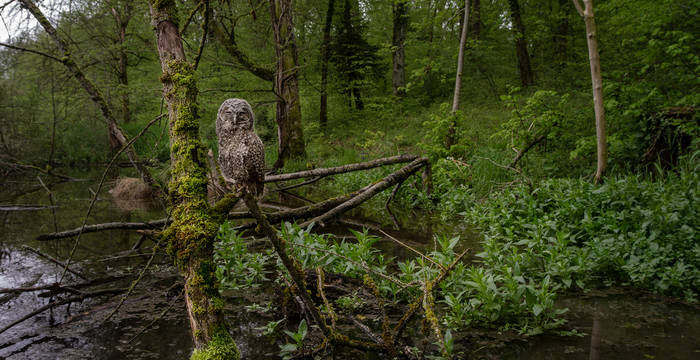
(30, 51)
(320, 279)
(133, 284)
(53, 206)
(307, 182)
(205, 30)
(365, 329)
(99, 187)
(56, 303)
(412, 249)
(47, 257)
(398, 329)
(56, 286)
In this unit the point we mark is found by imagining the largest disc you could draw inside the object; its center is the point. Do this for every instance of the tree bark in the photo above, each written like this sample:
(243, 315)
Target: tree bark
(116, 134)
(325, 57)
(400, 13)
(475, 24)
(193, 231)
(597, 84)
(290, 137)
(524, 68)
(342, 169)
(451, 131)
(122, 19)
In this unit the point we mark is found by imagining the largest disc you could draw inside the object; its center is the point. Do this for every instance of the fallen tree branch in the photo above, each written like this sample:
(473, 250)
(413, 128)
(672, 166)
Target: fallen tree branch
(289, 262)
(342, 169)
(527, 148)
(307, 182)
(106, 226)
(56, 286)
(60, 302)
(380, 186)
(48, 257)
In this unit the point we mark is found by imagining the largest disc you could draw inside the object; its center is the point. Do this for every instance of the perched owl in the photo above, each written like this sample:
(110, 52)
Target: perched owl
(241, 153)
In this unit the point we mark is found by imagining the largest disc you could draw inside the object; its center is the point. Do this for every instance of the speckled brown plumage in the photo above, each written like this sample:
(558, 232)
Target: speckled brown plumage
(241, 152)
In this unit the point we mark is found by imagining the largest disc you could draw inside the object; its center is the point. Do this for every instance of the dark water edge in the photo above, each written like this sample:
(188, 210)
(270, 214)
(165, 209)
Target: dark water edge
(629, 324)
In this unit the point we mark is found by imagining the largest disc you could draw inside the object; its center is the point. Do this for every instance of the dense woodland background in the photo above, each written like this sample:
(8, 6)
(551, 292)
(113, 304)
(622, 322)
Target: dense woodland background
(377, 78)
(649, 56)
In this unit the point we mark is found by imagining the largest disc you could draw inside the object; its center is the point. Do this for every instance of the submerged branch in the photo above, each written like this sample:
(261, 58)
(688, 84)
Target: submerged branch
(60, 302)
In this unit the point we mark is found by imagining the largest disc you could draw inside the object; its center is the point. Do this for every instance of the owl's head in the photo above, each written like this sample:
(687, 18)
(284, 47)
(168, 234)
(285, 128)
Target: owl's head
(234, 115)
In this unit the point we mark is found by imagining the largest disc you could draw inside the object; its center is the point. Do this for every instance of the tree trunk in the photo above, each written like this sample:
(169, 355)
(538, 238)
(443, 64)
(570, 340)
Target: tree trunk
(290, 137)
(115, 133)
(400, 12)
(192, 233)
(526, 77)
(451, 131)
(475, 24)
(597, 84)
(326, 54)
(122, 20)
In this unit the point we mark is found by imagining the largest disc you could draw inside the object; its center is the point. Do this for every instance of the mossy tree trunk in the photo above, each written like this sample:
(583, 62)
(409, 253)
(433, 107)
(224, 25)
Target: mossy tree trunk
(289, 129)
(192, 233)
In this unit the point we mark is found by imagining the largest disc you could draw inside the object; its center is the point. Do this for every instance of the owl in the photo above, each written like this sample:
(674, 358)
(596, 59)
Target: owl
(241, 152)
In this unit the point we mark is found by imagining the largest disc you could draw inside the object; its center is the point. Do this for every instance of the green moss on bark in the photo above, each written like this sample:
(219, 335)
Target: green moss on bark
(221, 347)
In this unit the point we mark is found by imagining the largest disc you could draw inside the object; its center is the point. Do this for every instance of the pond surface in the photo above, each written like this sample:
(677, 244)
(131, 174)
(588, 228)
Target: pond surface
(152, 323)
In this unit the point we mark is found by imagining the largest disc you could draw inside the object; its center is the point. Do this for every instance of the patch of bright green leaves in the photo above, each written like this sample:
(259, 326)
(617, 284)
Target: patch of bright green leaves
(628, 231)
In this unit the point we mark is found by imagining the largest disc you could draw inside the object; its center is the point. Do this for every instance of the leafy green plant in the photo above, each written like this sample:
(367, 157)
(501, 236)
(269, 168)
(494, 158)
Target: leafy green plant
(288, 349)
(237, 268)
(350, 303)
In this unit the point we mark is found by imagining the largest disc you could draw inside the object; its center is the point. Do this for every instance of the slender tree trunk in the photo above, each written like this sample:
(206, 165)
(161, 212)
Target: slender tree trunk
(526, 77)
(400, 12)
(326, 54)
(451, 131)
(115, 133)
(122, 20)
(192, 233)
(597, 84)
(289, 128)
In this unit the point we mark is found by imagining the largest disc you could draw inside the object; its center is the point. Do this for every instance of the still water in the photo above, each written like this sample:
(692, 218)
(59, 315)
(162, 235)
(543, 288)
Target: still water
(152, 323)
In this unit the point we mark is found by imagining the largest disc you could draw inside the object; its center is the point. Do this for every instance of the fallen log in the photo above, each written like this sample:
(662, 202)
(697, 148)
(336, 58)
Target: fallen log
(342, 169)
(106, 226)
(387, 182)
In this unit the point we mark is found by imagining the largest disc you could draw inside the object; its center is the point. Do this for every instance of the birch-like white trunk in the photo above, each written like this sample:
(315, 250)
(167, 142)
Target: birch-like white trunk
(597, 83)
